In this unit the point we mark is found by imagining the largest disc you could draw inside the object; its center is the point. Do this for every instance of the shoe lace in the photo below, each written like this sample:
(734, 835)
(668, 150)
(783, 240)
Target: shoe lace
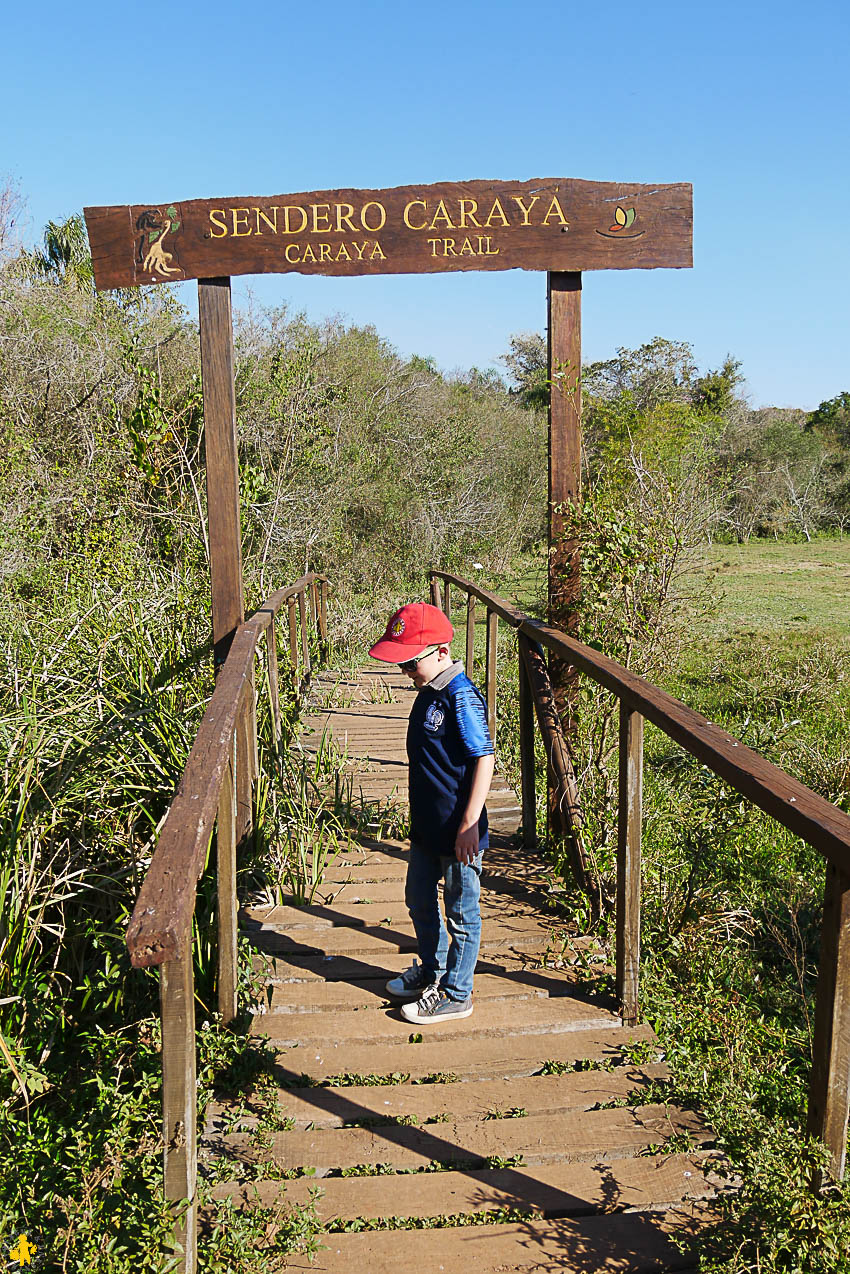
(431, 997)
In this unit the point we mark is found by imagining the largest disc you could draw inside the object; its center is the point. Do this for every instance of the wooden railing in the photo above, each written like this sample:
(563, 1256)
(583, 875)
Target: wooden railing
(160, 929)
(822, 825)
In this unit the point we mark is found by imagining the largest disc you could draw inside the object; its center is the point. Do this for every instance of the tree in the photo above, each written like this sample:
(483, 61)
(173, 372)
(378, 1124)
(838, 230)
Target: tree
(66, 252)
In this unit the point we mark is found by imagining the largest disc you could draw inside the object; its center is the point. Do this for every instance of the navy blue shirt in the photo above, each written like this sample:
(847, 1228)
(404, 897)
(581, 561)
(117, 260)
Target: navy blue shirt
(446, 734)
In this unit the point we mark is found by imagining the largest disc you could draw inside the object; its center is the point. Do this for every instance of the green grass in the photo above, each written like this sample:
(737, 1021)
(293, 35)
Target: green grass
(771, 586)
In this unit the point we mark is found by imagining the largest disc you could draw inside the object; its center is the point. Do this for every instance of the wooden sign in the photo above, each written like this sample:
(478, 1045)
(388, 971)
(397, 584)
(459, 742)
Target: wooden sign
(554, 224)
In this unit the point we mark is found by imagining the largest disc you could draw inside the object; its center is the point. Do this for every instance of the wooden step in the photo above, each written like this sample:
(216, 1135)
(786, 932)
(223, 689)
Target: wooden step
(370, 993)
(509, 932)
(585, 1136)
(623, 1243)
(476, 1099)
(556, 1190)
(346, 911)
(467, 1058)
(314, 965)
(491, 1018)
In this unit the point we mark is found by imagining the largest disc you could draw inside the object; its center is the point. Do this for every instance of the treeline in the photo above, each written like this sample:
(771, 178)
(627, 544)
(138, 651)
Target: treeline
(766, 472)
(353, 460)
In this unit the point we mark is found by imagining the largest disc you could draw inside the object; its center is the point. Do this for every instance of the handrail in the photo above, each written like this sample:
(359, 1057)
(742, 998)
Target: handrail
(822, 825)
(162, 917)
(790, 802)
(160, 928)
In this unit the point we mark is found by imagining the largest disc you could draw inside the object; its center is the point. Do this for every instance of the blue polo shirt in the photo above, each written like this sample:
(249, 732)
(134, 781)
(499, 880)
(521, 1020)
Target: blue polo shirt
(446, 733)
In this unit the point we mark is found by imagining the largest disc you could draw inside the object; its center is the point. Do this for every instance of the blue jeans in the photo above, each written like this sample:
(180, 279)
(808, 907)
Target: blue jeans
(452, 962)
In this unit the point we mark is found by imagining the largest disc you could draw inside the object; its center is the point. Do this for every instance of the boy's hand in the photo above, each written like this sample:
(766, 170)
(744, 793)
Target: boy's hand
(466, 844)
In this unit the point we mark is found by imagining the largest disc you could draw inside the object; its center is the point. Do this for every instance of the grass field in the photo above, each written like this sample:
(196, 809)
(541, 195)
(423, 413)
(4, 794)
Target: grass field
(767, 587)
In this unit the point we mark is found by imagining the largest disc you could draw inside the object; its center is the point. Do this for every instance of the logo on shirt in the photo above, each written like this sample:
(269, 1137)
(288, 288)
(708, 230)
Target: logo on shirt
(434, 718)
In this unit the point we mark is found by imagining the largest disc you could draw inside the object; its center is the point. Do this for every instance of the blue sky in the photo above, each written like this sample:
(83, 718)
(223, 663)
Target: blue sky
(748, 101)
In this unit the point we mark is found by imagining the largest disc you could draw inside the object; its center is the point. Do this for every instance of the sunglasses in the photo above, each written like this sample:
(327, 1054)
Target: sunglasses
(409, 665)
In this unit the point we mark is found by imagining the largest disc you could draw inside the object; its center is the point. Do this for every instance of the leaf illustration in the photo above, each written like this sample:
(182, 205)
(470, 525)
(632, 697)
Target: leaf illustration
(630, 217)
(152, 235)
(171, 212)
(620, 217)
(175, 225)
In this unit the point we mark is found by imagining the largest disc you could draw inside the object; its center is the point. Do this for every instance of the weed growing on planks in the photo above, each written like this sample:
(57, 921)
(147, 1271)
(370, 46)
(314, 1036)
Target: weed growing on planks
(446, 1220)
(513, 1112)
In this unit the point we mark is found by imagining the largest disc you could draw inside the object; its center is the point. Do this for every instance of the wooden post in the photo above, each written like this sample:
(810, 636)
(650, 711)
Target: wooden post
(564, 812)
(435, 591)
(228, 603)
(470, 635)
(564, 356)
(323, 617)
(526, 753)
(305, 639)
(274, 677)
(490, 673)
(447, 600)
(628, 863)
(829, 1087)
(225, 841)
(293, 640)
(179, 1100)
(314, 606)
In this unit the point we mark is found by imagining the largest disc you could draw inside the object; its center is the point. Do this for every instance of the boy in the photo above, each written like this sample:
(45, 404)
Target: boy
(451, 759)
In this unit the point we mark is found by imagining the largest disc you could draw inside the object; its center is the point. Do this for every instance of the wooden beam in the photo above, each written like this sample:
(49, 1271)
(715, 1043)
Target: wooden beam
(628, 863)
(179, 1101)
(829, 1090)
(548, 223)
(564, 362)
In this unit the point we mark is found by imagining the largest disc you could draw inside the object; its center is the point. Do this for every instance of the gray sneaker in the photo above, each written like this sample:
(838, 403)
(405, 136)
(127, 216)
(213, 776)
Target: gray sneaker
(410, 984)
(436, 1006)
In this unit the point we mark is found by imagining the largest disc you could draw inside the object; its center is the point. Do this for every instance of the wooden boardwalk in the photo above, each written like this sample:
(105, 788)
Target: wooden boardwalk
(541, 1108)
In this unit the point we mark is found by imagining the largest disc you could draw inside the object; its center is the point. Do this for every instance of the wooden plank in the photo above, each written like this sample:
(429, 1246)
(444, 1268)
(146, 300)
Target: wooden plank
(567, 1189)
(179, 1101)
(563, 299)
(628, 863)
(622, 1243)
(791, 803)
(228, 967)
(435, 593)
(549, 223)
(829, 1088)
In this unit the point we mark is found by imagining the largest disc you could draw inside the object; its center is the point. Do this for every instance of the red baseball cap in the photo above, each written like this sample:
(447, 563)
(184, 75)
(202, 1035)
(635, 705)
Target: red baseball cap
(410, 631)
